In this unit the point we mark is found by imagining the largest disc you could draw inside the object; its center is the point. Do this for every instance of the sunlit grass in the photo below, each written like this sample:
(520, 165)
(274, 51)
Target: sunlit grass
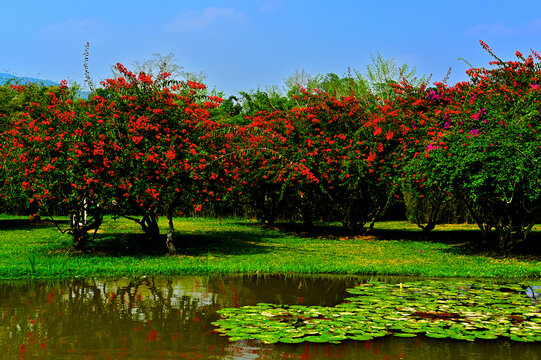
(240, 246)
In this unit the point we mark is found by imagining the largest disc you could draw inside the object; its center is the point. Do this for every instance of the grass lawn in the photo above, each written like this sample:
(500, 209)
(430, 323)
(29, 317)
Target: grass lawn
(241, 246)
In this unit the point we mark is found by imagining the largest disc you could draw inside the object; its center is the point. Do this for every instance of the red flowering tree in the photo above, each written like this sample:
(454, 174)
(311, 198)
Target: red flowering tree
(329, 158)
(134, 148)
(250, 141)
(349, 149)
(48, 154)
(251, 157)
(155, 155)
(480, 143)
(421, 114)
(13, 100)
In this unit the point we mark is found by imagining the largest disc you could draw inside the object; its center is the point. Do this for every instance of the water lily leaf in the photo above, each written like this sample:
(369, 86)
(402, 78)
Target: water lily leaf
(522, 338)
(487, 336)
(405, 335)
(236, 338)
(316, 339)
(437, 335)
(413, 330)
(291, 340)
(462, 337)
(360, 337)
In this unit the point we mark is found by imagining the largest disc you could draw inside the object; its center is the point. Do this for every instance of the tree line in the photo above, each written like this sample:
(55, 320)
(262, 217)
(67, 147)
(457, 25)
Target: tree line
(351, 149)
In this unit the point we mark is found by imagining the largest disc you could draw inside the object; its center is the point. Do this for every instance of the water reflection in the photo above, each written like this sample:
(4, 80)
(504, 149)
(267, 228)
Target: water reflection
(91, 316)
(534, 292)
(170, 318)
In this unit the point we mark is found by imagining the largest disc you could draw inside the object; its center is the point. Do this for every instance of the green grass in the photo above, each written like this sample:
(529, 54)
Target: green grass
(240, 246)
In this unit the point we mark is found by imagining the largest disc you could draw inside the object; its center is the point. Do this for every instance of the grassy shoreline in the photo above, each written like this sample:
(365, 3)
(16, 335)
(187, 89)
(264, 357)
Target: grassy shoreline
(232, 246)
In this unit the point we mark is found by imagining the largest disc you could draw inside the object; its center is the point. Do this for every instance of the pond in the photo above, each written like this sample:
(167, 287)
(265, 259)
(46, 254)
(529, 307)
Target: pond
(171, 318)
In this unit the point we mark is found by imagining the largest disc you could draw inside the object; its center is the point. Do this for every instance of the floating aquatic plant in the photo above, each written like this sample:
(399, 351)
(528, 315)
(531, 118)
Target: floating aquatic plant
(460, 311)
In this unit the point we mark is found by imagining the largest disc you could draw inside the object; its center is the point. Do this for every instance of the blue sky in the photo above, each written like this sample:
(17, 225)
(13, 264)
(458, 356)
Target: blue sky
(246, 44)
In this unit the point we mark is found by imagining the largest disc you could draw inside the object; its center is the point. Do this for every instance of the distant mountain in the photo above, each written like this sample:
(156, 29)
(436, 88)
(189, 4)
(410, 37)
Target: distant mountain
(84, 95)
(4, 78)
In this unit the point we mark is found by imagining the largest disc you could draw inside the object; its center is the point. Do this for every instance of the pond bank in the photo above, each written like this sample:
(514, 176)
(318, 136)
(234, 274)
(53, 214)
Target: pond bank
(230, 246)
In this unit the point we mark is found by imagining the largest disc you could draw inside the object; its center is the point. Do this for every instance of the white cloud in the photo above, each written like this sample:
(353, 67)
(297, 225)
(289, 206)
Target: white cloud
(206, 19)
(533, 27)
(269, 5)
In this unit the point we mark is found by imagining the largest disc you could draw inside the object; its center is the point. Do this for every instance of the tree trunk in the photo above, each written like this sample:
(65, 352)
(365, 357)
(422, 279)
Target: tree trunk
(150, 226)
(169, 239)
(80, 238)
(433, 213)
(307, 216)
(83, 222)
(149, 223)
(429, 226)
(374, 217)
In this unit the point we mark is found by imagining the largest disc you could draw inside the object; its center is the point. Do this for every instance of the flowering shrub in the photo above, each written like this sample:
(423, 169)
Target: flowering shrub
(479, 141)
(130, 149)
(155, 153)
(345, 151)
(49, 153)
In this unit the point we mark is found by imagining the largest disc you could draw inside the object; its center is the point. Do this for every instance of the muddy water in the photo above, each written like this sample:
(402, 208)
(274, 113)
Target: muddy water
(170, 318)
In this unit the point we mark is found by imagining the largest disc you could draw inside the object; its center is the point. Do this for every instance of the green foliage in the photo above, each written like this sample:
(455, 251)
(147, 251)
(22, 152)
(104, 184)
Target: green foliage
(382, 73)
(341, 86)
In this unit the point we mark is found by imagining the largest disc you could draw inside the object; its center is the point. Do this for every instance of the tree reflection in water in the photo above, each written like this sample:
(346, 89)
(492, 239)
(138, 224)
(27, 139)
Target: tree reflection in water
(104, 317)
(170, 318)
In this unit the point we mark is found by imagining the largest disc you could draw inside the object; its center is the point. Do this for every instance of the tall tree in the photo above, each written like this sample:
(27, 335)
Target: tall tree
(382, 73)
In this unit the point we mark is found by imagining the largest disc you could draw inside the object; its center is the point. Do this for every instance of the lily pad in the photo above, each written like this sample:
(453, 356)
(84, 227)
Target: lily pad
(439, 309)
(405, 335)
(361, 337)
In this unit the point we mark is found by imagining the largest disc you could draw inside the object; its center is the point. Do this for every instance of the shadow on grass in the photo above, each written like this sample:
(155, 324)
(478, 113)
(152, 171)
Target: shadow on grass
(469, 242)
(215, 242)
(462, 241)
(24, 224)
